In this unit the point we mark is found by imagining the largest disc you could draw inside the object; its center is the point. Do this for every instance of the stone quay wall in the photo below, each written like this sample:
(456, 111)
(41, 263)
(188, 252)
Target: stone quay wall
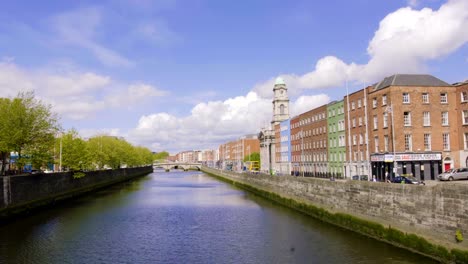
(434, 213)
(21, 193)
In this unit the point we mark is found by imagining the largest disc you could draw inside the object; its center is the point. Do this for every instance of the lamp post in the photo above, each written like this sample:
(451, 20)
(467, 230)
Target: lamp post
(390, 110)
(302, 152)
(60, 153)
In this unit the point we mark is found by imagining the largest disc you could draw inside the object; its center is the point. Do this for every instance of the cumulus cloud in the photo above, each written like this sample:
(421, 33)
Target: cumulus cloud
(405, 40)
(215, 122)
(73, 94)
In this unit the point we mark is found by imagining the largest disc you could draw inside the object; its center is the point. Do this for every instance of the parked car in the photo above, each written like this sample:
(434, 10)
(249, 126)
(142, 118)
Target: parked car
(407, 180)
(360, 177)
(454, 174)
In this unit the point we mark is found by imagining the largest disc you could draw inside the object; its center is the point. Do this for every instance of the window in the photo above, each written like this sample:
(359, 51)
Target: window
(445, 120)
(408, 142)
(361, 139)
(446, 141)
(443, 98)
(385, 119)
(465, 140)
(465, 117)
(374, 102)
(406, 98)
(425, 98)
(354, 122)
(427, 141)
(464, 97)
(375, 122)
(407, 118)
(376, 144)
(354, 139)
(426, 118)
(360, 121)
(352, 105)
(385, 143)
(359, 103)
(282, 109)
(384, 99)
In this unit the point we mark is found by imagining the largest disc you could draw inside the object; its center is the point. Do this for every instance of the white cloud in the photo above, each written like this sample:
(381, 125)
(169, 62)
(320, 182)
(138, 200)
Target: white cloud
(214, 122)
(74, 94)
(157, 32)
(79, 27)
(405, 40)
(413, 3)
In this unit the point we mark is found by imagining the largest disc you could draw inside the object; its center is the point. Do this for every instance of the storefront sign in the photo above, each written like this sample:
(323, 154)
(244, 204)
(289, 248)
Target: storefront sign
(406, 157)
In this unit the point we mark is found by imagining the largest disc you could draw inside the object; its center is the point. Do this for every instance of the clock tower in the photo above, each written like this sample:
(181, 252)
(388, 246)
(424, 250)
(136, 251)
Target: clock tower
(280, 102)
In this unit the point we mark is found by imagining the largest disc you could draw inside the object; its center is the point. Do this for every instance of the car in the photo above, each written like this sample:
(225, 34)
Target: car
(407, 180)
(360, 177)
(453, 174)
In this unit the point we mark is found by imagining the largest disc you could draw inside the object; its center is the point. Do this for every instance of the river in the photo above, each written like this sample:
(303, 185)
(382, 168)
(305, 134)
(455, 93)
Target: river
(183, 217)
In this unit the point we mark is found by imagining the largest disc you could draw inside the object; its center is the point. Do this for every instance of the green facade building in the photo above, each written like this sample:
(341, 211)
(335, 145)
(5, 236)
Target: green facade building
(336, 139)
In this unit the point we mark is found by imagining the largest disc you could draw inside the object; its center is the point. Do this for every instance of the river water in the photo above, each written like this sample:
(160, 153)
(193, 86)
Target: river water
(183, 217)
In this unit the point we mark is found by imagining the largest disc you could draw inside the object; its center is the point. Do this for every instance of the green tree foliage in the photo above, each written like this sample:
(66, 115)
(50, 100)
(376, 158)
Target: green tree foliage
(28, 128)
(75, 151)
(161, 155)
(254, 156)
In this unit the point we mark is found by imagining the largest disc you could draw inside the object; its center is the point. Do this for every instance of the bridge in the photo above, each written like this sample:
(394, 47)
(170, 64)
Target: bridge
(177, 166)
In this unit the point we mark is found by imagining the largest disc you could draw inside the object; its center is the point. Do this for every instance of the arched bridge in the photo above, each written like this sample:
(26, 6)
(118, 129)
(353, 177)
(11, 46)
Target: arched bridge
(178, 166)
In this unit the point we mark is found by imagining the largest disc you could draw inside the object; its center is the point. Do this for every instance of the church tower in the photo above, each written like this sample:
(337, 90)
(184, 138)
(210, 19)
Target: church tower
(280, 102)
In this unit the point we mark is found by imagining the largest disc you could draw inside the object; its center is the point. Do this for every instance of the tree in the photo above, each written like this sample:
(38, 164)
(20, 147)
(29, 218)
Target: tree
(254, 156)
(160, 155)
(75, 151)
(29, 127)
(5, 145)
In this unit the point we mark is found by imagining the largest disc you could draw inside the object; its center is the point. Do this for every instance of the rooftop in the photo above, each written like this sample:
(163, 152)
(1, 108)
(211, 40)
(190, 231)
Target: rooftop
(409, 80)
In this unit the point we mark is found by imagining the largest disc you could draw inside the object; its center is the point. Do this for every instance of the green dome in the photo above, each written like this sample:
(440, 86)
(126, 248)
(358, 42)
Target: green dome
(279, 80)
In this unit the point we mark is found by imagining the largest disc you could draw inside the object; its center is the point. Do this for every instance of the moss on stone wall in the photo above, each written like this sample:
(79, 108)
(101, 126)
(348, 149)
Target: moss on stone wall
(371, 229)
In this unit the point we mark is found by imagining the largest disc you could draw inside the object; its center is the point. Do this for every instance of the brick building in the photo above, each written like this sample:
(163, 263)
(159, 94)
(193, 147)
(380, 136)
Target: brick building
(232, 154)
(462, 116)
(413, 121)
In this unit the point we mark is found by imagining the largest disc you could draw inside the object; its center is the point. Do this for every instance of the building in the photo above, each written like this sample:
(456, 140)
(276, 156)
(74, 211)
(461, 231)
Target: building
(283, 147)
(356, 130)
(295, 140)
(462, 117)
(336, 139)
(414, 124)
(267, 135)
(233, 153)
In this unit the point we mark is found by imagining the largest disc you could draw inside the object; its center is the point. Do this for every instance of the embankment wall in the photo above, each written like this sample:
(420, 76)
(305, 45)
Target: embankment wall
(433, 212)
(24, 192)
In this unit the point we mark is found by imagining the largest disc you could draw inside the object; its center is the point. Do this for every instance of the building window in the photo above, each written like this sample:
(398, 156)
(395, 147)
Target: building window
(354, 122)
(426, 118)
(443, 98)
(376, 144)
(352, 105)
(360, 121)
(282, 109)
(359, 104)
(407, 118)
(385, 143)
(384, 99)
(446, 141)
(427, 142)
(425, 98)
(375, 122)
(354, 139)
(465, 140)
(361, 139)
(385, 119)
(464, 97)
(465, 117)
(374, 102)
(406, 98)
(445, 120)
(408, 142)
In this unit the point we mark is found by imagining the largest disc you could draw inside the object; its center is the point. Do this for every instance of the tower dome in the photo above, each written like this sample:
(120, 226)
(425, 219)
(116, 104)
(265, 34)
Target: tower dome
(279, 80)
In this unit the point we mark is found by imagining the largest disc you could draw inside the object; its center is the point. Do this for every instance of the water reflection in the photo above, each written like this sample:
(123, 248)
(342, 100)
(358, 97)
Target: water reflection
(183, 217)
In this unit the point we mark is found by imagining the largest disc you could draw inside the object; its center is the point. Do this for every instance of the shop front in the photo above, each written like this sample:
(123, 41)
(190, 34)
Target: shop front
(423, 166)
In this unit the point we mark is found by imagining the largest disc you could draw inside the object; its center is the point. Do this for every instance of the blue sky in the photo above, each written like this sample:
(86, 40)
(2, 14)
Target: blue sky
(176, 75)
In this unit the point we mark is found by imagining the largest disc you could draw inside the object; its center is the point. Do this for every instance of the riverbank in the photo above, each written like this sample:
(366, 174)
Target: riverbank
(423, 219)
(23, 193)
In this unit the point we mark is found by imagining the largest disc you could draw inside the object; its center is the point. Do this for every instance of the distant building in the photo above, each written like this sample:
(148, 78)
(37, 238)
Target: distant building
(336, 139)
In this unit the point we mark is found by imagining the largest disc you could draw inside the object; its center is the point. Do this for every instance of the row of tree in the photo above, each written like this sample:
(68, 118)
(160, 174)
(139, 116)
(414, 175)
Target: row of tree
(31, 130)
